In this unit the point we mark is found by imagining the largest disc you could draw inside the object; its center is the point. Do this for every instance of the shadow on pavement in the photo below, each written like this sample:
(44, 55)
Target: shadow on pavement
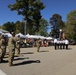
(65, 49)
(28, 53)
(43, 51)
(27, 62)
(4, 61)
(69, 49)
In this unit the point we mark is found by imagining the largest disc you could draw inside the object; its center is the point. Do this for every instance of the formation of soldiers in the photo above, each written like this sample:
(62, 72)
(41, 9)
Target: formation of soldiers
(61, 44)
(12, 44)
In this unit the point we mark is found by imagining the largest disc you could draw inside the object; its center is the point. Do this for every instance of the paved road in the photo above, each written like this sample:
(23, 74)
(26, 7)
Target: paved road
(47, 62)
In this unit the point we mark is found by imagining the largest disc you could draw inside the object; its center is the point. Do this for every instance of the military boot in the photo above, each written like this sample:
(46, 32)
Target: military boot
(11, 64)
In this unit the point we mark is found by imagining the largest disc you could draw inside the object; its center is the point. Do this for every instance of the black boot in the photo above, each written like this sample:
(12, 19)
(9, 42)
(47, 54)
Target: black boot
(11, 64)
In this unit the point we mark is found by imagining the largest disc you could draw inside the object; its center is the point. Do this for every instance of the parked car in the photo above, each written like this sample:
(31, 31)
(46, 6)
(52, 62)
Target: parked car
(72, 42)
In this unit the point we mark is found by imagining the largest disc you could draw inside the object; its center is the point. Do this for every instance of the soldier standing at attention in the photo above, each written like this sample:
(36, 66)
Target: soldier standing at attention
(55, 43)
(11, 47)
(38, 42)
(3, 48)
(18, 44)
(0, 40)
(66, 43)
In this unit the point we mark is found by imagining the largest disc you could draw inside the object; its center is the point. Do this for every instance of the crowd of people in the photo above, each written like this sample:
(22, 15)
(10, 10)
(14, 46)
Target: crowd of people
(31, 42)
(13, 44)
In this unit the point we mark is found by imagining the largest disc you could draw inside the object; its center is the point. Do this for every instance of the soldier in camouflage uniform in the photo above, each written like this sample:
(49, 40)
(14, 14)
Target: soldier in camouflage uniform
(38, 42)
(3, 48)
(18, 44)
(11, 47)
(0, 40)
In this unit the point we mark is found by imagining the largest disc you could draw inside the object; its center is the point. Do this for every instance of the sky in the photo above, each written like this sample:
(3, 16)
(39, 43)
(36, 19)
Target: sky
(61, 7)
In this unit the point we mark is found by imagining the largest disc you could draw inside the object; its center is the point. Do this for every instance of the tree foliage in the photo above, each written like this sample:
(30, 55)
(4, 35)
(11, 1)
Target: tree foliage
(9, 26)
(19, 27)
(69, 30)
(57, 24)
(43, 27)
(71, 25)
(30, 9)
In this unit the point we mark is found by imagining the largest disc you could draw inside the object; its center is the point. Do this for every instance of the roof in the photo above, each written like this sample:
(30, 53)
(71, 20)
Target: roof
(3, 31)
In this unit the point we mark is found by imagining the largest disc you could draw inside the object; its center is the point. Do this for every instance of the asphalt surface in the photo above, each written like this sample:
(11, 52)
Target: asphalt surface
(46, 62)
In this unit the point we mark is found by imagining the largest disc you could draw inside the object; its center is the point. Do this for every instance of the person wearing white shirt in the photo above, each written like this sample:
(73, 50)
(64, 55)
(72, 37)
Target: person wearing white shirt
(58, 44)
(63, 43)
(55, 43)
(66, 43)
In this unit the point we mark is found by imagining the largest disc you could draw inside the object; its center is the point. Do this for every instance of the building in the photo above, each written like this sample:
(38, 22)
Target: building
(3, 31)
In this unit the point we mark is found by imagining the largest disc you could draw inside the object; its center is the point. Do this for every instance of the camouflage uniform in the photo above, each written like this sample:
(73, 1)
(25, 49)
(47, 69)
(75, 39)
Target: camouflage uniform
(38, 44)
(0, 40)
(11, 47)
(3, 48)
(18, 45)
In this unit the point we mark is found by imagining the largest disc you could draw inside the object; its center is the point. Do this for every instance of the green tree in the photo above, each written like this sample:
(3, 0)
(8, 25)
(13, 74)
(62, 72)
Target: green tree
(71, 25)
(19, 27)
(56, 24)
(69, 31)
(43, 27)
(30, 9)
(22, 28)
(9, 26)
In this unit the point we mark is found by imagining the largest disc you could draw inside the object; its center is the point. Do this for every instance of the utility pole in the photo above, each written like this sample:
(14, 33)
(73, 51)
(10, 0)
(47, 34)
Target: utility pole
(60, 34)
(25, 28)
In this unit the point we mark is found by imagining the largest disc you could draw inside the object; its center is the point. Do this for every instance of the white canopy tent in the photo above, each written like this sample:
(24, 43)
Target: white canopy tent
(7, 34)
(38, 36)
(27, 36)
(0, 32)
(49, 38)
(42, 37)
(20, 34)
(35, 36)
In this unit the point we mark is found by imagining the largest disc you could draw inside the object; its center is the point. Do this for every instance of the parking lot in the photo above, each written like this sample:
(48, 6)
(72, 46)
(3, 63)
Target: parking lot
(46, 62)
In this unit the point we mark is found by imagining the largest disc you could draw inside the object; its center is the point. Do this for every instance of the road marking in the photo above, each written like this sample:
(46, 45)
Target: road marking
(2, 73)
